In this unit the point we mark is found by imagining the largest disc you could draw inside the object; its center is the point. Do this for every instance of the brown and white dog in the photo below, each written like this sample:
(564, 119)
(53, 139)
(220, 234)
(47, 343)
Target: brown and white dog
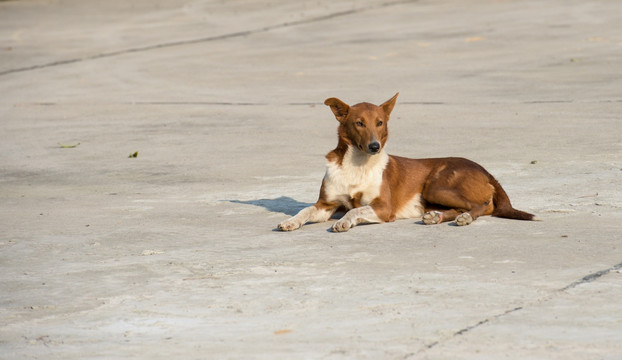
(376, 187)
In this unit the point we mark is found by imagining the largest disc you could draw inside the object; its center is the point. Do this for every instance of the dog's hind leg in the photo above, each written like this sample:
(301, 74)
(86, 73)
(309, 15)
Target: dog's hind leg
(467, 217)
(459, 208)
(313, 213)
(436, 217)
(462, 217)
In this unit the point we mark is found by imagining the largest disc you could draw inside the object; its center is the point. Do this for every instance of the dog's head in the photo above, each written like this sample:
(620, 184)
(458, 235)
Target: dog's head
(363, 125)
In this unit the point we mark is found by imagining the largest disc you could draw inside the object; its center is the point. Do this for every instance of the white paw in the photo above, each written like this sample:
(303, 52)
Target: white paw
(464, 219)
(288, 225)
(341, 226)
(432, 217)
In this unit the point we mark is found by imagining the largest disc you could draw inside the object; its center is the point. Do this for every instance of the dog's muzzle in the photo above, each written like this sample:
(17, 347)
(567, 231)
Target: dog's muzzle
(373, 148)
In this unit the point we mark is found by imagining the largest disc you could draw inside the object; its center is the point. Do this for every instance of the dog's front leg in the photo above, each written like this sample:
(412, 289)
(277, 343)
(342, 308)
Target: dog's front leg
(312, 213)
(363, 214)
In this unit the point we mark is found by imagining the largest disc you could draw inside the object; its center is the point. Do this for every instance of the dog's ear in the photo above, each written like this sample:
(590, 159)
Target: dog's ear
(339, 108)
(387, 106)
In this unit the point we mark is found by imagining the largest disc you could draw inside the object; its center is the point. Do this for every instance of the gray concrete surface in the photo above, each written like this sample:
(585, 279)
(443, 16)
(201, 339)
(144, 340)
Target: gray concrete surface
(173, 254)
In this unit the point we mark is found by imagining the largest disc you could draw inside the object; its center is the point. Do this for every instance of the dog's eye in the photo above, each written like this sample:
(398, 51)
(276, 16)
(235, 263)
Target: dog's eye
(360, 124)
(379, 123)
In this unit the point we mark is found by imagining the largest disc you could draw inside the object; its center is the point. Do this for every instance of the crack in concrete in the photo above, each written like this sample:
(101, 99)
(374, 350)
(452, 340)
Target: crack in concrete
(584, 280)
(206, 103)
(310, 103)
(209, 38)
(465, 330)
(591, 277)
(482, 322)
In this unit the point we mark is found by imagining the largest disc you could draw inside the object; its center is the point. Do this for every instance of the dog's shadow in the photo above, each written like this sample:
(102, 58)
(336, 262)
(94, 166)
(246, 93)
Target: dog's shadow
(283, 204)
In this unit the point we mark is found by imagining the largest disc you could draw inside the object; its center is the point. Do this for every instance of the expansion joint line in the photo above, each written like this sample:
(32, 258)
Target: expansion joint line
(210, 38)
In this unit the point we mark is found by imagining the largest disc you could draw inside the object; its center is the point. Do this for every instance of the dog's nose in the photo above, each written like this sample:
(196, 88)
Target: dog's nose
(374, 147)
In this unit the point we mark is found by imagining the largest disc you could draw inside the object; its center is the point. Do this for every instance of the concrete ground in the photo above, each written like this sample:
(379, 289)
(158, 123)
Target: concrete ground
(173, 255)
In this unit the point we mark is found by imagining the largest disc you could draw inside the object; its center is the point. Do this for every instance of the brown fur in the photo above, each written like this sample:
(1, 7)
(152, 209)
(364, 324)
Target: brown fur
(449, 188)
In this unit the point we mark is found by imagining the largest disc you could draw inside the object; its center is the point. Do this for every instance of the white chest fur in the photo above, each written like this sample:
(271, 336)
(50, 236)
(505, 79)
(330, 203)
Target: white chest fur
(358, 173)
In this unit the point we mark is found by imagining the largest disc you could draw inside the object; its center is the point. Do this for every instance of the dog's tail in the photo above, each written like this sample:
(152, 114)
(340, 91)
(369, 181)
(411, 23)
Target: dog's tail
(503, 207)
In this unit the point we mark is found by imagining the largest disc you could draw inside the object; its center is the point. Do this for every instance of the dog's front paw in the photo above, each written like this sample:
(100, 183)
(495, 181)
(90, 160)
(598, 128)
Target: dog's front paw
(464, 219)
(288, 225)
(341, 226)
(432, 217)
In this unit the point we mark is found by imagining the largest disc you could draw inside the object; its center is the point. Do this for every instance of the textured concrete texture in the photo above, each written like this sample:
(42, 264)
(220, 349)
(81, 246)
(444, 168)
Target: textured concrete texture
(173, 253)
